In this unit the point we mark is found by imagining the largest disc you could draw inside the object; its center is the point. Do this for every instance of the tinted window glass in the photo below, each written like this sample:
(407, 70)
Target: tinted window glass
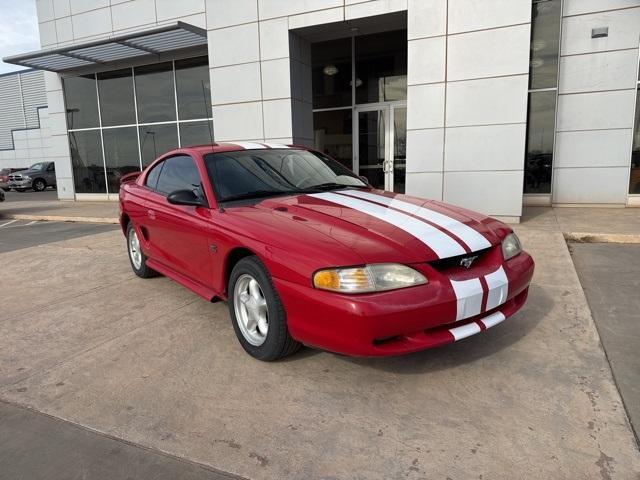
(540, 132)
(381, 67)
(81, 101)
(260, 173)
(178, 173)
(116, 97)
(545, 36)
(152, 177)
(86, 159)
(332, 134)
(331, 72)
(196, 133)
(155, 93)
(192, 86)
(121, 154)
(634, 186)
(156, 140)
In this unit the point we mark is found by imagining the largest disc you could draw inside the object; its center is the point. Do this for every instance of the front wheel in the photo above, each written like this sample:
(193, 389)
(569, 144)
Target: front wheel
(136, 256)
(39, 185)
(257, 314)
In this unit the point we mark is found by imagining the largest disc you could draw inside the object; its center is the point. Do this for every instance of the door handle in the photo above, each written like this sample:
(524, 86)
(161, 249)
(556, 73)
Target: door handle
(151, 214)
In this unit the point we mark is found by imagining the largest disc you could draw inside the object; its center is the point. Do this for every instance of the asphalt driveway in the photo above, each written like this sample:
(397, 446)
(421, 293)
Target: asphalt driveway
(149, 362)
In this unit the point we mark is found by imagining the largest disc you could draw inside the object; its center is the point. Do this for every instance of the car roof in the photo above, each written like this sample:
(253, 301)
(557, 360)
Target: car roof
(237, 146)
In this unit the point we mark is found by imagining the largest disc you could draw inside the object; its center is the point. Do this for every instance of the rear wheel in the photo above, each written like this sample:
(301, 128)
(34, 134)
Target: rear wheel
(137, 258)
(257, 314)
(39, 185)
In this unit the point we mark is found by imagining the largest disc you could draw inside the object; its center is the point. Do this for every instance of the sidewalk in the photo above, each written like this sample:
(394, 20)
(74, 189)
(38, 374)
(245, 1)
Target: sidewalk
(61, 211)
(616, 225)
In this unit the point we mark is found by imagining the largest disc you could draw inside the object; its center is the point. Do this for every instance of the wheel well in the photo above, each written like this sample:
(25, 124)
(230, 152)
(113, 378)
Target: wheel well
(124, 221)
(234, 257)
(39, 178)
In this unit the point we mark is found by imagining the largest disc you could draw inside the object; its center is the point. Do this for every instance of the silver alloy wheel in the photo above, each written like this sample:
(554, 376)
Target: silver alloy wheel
(251, 310)
(39, 185)
(134, 249)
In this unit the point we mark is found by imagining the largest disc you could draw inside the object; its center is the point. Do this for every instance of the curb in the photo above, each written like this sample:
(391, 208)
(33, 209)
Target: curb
(55, 218)
(580, 237)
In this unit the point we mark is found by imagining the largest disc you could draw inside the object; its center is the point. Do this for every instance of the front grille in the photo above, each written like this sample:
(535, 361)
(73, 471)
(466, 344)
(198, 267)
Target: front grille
(454, 262)
(15, 177)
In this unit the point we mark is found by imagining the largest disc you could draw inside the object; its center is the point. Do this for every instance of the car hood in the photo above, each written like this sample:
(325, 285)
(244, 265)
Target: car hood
(373, 226)
(27, 172)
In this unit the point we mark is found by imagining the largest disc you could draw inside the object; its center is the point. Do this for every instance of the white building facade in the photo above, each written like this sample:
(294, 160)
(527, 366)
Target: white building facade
(490, 105)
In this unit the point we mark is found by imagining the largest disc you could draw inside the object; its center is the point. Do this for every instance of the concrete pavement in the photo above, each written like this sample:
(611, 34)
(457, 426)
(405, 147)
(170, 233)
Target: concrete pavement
(34, 446)
(609, 276)
(151, 363)
(19, 234)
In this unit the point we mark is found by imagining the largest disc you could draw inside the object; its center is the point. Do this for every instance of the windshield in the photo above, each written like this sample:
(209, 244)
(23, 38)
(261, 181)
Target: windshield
(247, 174)
(38, 166)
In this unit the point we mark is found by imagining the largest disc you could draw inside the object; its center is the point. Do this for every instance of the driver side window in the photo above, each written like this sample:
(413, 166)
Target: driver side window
(179, 173)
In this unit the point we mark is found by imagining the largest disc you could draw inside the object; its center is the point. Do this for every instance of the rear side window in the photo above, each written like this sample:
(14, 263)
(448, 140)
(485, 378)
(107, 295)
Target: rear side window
(152, 177)
(179, 173)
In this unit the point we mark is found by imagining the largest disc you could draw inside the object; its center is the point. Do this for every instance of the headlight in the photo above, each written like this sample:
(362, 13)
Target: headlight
(511, 246)
(26, 177)
(370, 278)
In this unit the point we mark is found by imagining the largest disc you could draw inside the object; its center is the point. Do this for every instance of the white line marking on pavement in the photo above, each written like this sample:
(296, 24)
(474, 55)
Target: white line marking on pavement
(8, 223)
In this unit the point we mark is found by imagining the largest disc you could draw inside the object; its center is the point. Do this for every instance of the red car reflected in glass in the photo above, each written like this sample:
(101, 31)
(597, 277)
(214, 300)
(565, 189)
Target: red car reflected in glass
(305, 252)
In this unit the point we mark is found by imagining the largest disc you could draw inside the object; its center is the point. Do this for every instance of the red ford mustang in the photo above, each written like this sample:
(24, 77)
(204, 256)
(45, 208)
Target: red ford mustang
(306, 252)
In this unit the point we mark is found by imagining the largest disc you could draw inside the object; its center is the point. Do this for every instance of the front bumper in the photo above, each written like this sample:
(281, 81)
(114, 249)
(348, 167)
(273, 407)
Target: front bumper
(403, 321)
(17, 184)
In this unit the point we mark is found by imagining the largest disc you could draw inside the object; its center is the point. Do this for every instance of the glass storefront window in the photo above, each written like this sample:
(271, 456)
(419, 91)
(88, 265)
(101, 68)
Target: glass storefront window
(86, 160)
(331, 73)
(156, 140)
(381, 67)
(193, 88)
(196, 133)
(81, 101)
(332, 132)
(116, 98)
(540, 135)
(120, 154)
(155, 93)
(545, 38)
(634, 182)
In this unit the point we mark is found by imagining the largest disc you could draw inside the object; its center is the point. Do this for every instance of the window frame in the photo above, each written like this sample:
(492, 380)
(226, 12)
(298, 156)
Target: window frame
(160, 163)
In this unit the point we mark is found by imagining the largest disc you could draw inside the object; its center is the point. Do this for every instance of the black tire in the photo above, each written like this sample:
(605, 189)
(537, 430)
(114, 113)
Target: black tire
(39, 185)
(278, 342)
(143, 271)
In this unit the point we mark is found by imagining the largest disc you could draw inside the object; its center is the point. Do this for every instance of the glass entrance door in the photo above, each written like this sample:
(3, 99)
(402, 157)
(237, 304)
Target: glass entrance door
(380, 149)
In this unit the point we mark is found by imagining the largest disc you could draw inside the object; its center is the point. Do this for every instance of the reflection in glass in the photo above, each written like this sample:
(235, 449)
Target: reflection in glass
(381, 67)
(545, 37)
(193, 88)
(86, 160)
(634, 183)
(540, 132)
(116, 98)
(371, 146)
(120, 154)
(332, 134)
(156, 140)
(196, 133)
(81, 101)
(399, 149)
(331, 72)
(155, 93)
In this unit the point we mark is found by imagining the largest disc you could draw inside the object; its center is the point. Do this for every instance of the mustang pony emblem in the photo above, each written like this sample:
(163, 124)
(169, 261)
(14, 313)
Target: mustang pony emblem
(467, 261)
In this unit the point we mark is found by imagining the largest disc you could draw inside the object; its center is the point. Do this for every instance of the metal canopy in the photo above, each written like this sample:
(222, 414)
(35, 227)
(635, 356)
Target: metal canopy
(154, 42)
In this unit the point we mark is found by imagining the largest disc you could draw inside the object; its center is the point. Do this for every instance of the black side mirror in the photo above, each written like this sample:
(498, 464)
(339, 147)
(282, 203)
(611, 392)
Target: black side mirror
(184, 197)
(364, 179)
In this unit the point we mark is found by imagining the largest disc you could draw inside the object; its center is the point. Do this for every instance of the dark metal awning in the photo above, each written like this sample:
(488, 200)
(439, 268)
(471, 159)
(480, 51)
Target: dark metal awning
(153, 42)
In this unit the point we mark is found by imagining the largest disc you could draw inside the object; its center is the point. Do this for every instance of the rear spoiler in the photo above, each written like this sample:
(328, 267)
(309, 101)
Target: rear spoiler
(129, 177)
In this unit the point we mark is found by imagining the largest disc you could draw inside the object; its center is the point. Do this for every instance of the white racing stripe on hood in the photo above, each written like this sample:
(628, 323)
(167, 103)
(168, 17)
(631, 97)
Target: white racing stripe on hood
(442, 244)
(248, 145)
(473, 239)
